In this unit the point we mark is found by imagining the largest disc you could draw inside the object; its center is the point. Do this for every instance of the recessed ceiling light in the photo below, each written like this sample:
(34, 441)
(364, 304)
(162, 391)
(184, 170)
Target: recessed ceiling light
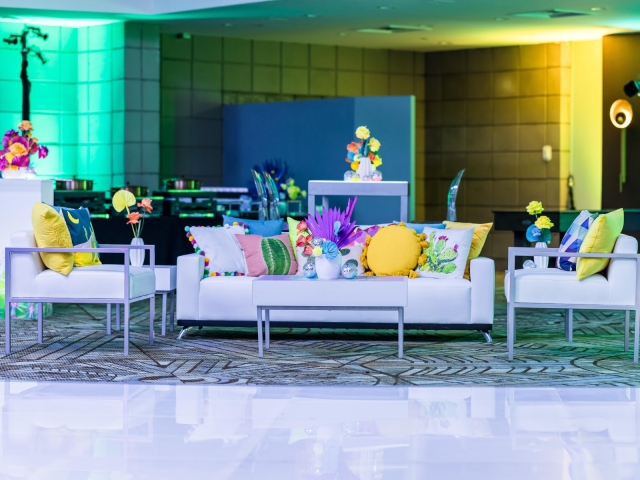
(501, 19)
(342, 34)
(445, 43)
(596, 9)
(311, 15)
(383, 7)
(228, 24)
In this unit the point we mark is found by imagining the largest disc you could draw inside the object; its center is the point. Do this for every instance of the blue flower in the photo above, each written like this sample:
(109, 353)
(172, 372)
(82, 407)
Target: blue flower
(330, 249)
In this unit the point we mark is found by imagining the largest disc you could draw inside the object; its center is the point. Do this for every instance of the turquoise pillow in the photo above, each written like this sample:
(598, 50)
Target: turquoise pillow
(419, 227)
(264, 228)
(78, 222)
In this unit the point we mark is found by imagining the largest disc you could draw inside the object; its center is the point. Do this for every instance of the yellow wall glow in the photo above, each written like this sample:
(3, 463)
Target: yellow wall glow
(586, 123)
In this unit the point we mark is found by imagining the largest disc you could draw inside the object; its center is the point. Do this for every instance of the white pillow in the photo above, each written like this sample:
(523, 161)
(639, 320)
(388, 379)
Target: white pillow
(355, 252)
(447, 253)
(220, 246)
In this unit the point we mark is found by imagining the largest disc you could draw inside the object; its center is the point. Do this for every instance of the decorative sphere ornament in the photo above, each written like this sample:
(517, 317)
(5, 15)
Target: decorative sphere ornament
(529, 264)
(355, 177)
(348, 175)
(317, 242)
(309, 270)
(366, 178)
(376, 176)
(350, 270)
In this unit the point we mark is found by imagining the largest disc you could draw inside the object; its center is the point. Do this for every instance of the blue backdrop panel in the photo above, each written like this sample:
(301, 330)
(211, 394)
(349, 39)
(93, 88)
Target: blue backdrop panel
(311, 136)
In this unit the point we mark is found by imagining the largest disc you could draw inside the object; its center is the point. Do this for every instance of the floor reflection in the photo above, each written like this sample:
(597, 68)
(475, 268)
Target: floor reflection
(101, 431)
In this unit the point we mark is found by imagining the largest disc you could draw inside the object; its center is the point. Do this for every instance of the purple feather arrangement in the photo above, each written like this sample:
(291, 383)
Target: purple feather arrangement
(333, 225)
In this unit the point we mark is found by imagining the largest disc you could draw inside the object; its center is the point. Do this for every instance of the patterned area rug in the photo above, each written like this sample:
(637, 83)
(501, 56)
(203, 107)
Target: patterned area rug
(76, 347)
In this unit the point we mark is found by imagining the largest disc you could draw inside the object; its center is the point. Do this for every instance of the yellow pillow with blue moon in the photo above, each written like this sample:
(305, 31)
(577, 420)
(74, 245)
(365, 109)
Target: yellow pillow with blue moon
(78, 221)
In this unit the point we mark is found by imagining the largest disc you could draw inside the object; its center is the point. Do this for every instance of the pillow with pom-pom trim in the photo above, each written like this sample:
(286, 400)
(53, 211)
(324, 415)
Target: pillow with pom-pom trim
(395, 250)
(446, 254)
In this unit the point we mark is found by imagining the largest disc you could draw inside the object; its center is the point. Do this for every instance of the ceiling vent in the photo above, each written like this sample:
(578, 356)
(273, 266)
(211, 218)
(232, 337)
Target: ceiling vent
(555, 13)
(395, 29)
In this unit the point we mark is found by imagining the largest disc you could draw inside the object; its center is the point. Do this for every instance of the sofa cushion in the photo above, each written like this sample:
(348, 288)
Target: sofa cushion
(51, 231)
(550, 285)
(266, 228)
(96, 281)
(572, 240)
(601, 238)
(480, 233)
(268, 256)
(394, 250)
(446, 253)
(220, 248)
(78, 221)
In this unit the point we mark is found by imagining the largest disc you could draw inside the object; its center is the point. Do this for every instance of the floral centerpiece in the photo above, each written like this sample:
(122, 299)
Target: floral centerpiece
(539, 232)
(324, 237)
(17, 148)
(122, 200)
(364, 157)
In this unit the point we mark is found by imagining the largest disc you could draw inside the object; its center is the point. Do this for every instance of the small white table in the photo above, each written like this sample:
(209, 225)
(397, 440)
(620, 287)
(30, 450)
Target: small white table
(165, 285)
(285, 292)
(326, 188)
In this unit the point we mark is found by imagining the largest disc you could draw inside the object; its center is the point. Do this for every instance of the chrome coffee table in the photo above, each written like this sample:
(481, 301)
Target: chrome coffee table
(284, 292)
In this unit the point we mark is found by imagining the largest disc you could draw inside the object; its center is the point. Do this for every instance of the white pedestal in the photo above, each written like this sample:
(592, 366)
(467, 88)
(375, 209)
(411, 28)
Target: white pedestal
(17, 198)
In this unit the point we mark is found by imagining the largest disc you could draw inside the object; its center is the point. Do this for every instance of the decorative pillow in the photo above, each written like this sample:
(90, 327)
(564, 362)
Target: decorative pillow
(446, 255)
(220, 248)
(480, 233)
(419, 227)
(265, 228)
(601, 238)
(78, 222)
(51, 231)
(394, 251)
(573, 239)
(353, 252)
(268, 255)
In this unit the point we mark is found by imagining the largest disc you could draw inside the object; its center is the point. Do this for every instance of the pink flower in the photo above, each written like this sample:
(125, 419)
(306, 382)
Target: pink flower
(302, 226)
(146, 204)
(133, 218)
(308, 250)
(353, 147)
(301, 241)
(25, 126)
(43, 151)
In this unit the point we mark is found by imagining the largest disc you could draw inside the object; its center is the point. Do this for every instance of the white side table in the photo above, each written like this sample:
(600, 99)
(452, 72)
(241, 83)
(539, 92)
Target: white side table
(165, 285)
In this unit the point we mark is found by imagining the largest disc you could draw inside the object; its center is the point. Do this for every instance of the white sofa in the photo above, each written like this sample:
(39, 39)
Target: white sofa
(433, 303)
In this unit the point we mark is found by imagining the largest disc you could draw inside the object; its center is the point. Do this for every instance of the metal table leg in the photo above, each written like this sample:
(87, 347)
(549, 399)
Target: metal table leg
(267, 329)
(118, 317)
(109, 318)
(400, 332)
(164, 313)
(172, 309)
(260, 351)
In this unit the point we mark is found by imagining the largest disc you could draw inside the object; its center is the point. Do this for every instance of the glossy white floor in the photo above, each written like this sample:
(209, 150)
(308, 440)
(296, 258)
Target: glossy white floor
(116, 432)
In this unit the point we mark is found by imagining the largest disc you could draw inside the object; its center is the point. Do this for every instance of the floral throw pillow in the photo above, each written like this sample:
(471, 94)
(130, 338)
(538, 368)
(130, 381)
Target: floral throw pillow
(447, 252)
(268, 255)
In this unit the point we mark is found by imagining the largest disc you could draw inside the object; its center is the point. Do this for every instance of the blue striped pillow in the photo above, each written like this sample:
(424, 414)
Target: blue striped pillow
(573, 239)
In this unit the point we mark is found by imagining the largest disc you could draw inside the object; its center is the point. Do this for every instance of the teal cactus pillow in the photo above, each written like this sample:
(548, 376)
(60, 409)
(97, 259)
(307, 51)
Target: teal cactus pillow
(447, 253)
(268, 255)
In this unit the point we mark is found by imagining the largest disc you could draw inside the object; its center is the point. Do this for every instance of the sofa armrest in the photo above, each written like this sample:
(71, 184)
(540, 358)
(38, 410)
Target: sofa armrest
(190, 273)
(483, 284)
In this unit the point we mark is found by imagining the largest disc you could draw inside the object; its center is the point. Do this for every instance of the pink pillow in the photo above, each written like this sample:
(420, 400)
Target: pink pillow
(268, 255)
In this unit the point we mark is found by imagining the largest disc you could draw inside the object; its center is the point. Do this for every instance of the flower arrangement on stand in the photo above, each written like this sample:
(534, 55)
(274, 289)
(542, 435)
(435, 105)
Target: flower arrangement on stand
(122, 200)
(539, 232)
(324, 237)
(17, 148)
(364, 157)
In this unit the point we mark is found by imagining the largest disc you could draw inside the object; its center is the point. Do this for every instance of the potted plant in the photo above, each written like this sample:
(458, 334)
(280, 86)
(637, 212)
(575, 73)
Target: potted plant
(122, 200)
(17, 148)
(539, 232)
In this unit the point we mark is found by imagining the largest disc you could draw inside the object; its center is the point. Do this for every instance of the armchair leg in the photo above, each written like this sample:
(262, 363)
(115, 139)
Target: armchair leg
(118, 317)
(7, 327)
(152, 314)
(568, 325)
(126, 328)
(626, 330)
(511, 319)
(39, 310)
(636, 335)
(172, 310)
(108, 319)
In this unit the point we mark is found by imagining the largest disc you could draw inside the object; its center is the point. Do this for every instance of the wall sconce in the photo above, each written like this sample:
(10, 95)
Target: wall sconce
(547, 153)
(621, 114)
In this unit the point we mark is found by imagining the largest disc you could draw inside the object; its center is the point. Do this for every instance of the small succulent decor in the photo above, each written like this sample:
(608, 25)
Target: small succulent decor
(440, 257)
(540, 230)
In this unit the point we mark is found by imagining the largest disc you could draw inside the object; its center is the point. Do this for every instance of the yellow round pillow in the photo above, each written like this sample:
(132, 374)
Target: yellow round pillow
(394, 251)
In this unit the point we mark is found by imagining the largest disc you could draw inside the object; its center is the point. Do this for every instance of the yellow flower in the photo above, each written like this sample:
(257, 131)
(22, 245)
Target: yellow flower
(317, 251)
(363, 133)
(377, 162)
(543, 222)
(374, 144)
(123, 199)
(355, 165)
(25, 126)
(16, 150)
(534, 208)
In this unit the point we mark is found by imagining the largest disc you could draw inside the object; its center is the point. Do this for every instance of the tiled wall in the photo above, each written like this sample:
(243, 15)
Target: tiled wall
(491, 111)
(201, 74)
(54, 99)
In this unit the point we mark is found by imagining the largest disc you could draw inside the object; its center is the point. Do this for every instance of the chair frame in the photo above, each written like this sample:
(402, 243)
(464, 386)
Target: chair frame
(569, 307)
(263, 205)
(274, 196)
(124, 249)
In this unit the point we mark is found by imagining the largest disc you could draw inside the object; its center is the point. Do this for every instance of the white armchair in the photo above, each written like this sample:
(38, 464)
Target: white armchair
(28, 280)
(616, 288)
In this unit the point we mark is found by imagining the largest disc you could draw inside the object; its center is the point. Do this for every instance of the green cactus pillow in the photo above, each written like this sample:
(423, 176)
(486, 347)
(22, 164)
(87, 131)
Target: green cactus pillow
(446, 255)
(268, 255)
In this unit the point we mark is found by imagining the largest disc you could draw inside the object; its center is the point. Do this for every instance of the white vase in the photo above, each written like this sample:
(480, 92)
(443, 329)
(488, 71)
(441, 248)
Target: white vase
(541, 262)
(364, 169)
(136, 256)
(328, 269)
(19, 174)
